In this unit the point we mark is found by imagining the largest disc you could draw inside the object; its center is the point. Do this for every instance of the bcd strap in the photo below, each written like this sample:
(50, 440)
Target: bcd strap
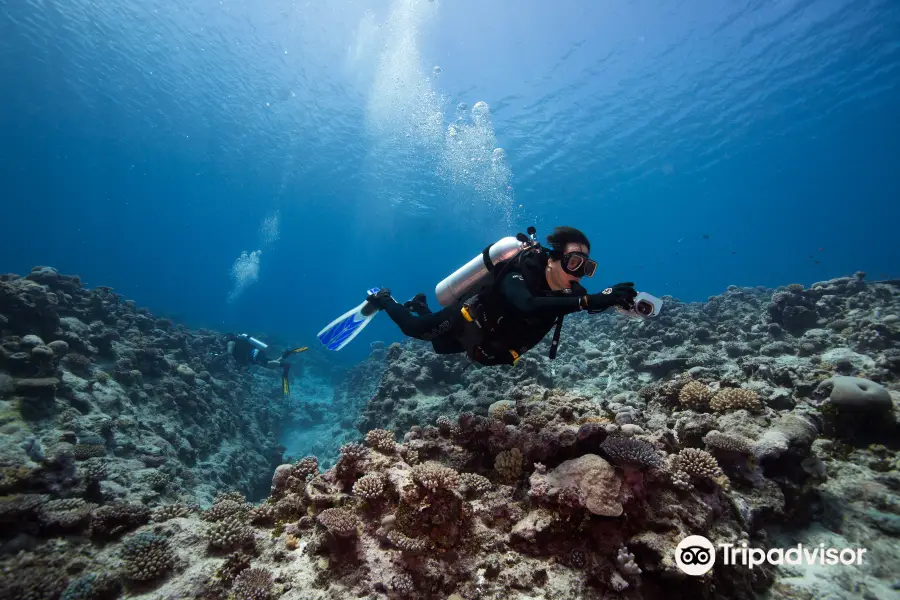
(486, 257)
(554, 345)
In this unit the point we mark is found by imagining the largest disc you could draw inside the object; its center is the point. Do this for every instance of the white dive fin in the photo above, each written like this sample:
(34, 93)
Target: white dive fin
(342, 330)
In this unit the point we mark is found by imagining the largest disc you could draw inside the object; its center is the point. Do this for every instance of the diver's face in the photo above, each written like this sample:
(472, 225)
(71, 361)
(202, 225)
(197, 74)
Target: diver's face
(556, 276)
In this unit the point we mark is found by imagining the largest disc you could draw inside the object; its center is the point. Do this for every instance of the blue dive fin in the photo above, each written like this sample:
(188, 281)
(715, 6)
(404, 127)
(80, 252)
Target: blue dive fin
(342, 330)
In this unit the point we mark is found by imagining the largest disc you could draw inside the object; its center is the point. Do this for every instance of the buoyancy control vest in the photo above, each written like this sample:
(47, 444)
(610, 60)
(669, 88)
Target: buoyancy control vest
(487, 316)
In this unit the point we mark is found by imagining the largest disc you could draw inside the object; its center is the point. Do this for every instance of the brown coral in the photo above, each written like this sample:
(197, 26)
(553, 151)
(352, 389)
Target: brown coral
(339, 521)
(228, 534)
(370, 487)
(305, 468)
(254, 584)
(728, 442)
(350, 461)
(692, 463)
(147, 556)
(232, 566)
(434, 476)
(112, 520)
(171, 511)
(509, 464)
(406, 543)
(474, 484)
(695, 395)
(735, 399)
(264, 514)
(382, 440)
(290, 507)
(227, 508)
(502, 410)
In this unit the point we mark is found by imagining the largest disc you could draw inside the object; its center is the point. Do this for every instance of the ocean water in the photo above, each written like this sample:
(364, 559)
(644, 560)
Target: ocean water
(258, 166)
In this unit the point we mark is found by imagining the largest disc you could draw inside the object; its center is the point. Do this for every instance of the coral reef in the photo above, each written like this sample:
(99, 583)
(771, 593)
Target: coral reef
(764, 418)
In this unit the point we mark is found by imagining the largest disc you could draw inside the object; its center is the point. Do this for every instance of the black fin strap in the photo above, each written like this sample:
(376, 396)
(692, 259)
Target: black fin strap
(554, 345)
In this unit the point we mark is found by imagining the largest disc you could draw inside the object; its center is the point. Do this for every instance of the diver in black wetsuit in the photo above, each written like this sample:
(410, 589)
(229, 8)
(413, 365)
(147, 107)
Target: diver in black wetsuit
(526, 297)
(248, 351)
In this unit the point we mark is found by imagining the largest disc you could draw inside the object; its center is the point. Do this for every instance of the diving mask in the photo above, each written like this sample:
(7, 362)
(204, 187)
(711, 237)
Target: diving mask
(645, 306)
(578, 264)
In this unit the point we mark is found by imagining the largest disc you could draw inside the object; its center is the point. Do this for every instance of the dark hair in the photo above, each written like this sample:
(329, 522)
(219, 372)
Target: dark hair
(562, 236)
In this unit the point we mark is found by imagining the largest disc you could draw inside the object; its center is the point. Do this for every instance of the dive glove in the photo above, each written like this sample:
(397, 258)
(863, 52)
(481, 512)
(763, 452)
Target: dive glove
(621, 294)
(380, 298)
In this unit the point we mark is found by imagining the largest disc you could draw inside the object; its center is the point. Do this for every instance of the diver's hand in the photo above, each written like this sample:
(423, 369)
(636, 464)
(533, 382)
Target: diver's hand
(578, 290)
(621, 294)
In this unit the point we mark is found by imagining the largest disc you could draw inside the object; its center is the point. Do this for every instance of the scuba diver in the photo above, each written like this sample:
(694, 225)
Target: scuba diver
(247, 350)
(503, 302)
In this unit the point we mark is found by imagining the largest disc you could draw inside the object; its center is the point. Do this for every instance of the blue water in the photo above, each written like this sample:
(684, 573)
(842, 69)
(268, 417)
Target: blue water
(144, 145)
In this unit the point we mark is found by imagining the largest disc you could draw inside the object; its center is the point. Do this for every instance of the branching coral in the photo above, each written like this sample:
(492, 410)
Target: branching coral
(692, 463)
(351, 459)
(93, 586)
(728, 442)
(695, 395)
(89, 446)
(509, 464)
(147, 556)
(339, 521)
(114, 519)
(632, 452)
(228, 534)
(626, 562)
(734, 399)
(289, 507)
(434, 476)
(370, 487)
(264, 514)
(254, 584)
(232, 566)
(305, 468)
(405, 543)
(472, 483)
(68, 514)
(171, 511)
(227, 508)
(382, 440)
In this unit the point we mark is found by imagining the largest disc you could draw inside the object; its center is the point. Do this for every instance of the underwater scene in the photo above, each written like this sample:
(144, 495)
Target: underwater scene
(449, 300)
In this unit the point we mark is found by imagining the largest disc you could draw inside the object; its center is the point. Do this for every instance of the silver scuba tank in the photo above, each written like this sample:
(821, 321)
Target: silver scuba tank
(472, 274)
(255, 342)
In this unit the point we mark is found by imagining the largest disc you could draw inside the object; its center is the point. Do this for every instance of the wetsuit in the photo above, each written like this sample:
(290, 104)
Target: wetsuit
(245, 353)
(516, 316)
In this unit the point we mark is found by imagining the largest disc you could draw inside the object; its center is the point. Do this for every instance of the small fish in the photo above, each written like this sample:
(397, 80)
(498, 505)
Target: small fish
(821, 249)
(705, 236)
(734, 252)
(817, 262)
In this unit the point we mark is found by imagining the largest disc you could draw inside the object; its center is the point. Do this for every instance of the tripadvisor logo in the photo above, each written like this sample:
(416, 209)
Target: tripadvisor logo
(696, 555)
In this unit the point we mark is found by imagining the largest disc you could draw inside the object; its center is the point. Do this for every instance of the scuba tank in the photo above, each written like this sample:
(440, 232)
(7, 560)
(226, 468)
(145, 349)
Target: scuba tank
(254, 342)
(473, 274)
